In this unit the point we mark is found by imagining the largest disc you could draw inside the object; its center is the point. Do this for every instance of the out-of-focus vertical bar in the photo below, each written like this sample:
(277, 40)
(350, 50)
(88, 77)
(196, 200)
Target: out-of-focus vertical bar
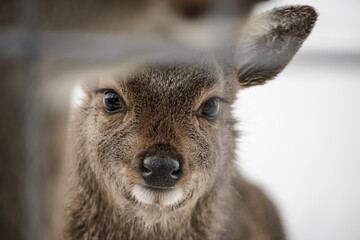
(32, 117)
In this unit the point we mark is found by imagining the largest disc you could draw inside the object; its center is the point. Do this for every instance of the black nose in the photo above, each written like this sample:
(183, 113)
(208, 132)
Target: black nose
(160, 172)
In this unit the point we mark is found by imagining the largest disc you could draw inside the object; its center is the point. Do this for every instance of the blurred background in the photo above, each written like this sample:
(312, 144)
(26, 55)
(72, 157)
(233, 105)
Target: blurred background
(300, 133)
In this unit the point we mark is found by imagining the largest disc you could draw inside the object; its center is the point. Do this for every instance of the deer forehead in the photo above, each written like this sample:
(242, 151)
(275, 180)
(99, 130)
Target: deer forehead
(170, 85)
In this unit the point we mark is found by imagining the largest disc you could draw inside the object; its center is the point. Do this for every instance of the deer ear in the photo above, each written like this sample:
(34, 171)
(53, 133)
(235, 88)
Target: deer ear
(269, 41)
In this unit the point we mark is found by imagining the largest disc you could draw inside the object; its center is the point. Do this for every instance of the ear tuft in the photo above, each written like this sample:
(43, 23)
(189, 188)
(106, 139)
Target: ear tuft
(297, 20)
(270, 40)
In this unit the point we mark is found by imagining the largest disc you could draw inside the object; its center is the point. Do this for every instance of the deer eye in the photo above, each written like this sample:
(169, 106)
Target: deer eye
(210, 108)
(113, 102)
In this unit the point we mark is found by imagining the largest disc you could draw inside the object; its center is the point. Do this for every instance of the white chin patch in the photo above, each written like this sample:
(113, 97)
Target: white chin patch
(77, 96)
(143, 194)
(171, 197)
(162, 197)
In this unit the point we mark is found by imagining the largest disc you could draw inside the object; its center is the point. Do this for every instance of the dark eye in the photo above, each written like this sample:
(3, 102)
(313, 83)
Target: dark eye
(210, 108)
(113, 102)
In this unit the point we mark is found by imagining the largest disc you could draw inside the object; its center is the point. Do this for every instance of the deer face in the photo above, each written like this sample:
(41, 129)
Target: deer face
(161, 134)
(155, 130)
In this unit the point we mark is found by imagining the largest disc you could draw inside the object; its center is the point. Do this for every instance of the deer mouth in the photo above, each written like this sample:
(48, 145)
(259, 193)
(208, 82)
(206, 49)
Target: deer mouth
(160, 196)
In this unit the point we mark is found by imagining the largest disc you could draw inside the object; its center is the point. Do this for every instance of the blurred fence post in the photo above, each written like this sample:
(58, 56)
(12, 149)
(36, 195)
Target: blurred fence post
(32, 121)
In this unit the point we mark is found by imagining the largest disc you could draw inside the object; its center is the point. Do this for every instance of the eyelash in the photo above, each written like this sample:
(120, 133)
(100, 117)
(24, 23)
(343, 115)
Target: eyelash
(223, 100)
(104, 90)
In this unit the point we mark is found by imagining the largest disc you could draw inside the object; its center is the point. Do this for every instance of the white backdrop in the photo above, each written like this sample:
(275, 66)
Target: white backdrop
(301, 132)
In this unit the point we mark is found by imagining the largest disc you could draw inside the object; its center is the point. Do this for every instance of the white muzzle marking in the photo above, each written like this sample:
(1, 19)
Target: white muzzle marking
(147, 196)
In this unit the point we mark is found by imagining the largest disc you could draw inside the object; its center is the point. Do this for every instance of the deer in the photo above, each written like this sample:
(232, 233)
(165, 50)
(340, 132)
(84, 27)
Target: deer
(152, 148)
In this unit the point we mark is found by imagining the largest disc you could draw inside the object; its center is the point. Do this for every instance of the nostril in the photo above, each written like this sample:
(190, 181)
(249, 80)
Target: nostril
(145, 170)
(176, 173)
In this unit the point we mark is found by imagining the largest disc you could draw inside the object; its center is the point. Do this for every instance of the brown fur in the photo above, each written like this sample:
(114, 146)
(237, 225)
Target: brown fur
(162, 101)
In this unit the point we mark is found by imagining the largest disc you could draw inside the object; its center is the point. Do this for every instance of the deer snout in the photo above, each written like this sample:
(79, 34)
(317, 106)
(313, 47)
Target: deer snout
(160, 172)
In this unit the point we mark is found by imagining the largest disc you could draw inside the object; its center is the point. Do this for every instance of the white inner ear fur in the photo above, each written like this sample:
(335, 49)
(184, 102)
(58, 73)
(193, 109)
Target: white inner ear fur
(147, 196)
(257, 27)
(77, 96)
